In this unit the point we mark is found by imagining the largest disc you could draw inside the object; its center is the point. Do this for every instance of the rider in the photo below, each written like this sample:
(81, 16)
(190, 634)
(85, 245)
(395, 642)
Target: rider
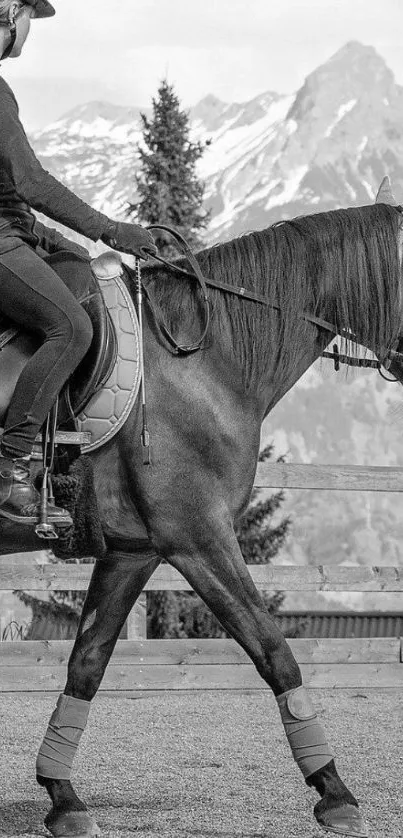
(31, 293)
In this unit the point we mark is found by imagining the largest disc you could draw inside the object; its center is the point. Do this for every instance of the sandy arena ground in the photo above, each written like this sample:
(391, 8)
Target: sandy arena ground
(205, 765)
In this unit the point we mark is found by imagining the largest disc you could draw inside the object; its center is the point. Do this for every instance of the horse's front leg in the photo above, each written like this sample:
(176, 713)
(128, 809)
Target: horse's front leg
(209, 557)
(114, 588)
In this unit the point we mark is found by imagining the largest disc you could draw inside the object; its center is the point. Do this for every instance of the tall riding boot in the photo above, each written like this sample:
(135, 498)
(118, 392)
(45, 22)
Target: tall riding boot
(19, 499)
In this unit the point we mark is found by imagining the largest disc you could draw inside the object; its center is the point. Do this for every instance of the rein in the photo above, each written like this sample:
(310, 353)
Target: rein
(241, 291)
(182, 349)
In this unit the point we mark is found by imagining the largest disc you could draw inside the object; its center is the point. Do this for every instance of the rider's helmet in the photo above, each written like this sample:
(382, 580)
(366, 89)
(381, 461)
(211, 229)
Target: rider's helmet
(42, 8)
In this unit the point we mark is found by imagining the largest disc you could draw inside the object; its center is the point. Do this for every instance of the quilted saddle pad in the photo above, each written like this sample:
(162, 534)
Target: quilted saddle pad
(109, 408)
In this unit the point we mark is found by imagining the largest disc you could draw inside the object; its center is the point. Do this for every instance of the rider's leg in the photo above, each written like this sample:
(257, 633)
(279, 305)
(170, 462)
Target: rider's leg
(33, 296)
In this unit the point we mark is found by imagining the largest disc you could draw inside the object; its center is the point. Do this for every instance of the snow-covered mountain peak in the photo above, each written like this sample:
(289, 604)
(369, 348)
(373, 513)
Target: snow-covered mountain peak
(362, 61)
(208, 109)
(211, 114)
(275, 156)
(356, 74)
(96, 120)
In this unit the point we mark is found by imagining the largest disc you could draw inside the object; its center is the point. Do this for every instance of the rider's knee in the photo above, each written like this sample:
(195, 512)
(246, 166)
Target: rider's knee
(83, 332)
(74, 331)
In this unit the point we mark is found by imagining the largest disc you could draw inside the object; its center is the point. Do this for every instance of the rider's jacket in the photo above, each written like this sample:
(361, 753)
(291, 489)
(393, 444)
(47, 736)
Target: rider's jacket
(24, 183)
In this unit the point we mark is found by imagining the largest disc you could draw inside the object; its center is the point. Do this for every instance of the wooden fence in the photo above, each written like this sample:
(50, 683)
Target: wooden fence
(141, 665)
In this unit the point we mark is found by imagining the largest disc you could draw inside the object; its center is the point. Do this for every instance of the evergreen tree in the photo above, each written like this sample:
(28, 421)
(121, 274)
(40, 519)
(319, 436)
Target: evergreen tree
(177, 614)
(258, 538)
(169, 191)
(53, 619)
(56, 618)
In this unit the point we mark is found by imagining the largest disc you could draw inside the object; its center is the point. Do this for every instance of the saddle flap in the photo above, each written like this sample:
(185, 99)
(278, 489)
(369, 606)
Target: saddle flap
(95, 368)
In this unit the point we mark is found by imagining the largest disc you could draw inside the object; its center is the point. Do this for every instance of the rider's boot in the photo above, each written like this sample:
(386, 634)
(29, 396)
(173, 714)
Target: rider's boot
(19, 499)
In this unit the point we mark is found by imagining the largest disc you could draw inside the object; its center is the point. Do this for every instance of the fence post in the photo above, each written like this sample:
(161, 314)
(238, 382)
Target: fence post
(136, 623)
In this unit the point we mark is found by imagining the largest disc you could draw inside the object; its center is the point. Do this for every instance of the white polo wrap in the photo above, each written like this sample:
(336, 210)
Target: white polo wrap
(62, 738)
(306, 736)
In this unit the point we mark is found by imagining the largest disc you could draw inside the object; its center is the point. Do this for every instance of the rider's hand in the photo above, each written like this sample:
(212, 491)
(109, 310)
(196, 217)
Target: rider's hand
(129, 238)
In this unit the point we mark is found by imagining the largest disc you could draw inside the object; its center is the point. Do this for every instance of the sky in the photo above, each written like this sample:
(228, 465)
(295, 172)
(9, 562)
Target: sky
(235, 49)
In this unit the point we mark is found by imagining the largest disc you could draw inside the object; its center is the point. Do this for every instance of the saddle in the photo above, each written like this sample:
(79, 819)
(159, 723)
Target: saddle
(95, 402)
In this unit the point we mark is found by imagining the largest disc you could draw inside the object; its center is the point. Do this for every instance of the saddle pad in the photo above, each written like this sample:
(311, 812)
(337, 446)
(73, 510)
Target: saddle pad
(109, 408)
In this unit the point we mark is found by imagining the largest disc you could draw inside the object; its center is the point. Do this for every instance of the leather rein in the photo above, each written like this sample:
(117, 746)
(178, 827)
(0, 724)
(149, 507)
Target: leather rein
(241, 291)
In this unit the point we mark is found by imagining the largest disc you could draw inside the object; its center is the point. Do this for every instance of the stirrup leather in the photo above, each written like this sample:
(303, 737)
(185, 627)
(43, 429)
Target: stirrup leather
(46, 527)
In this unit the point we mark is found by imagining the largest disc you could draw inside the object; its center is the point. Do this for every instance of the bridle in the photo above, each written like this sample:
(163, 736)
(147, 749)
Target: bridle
(177, 348)
(240, 291)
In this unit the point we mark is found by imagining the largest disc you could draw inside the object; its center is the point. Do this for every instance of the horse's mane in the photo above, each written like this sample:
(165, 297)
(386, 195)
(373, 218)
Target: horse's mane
(341, 265)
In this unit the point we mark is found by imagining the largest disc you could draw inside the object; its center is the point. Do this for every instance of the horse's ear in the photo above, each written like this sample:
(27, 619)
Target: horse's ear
(385, 194)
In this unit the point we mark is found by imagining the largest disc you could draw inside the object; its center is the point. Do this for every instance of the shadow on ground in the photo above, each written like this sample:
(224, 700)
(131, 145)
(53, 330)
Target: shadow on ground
(22, 817)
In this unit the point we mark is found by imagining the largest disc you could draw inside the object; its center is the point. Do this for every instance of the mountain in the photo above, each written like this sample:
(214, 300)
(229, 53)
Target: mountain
(277, 156)
(92, 149)
(325, 147)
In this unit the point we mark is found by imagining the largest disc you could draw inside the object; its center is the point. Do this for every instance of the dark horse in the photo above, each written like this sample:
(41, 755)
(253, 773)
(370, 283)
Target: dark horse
(205, 414)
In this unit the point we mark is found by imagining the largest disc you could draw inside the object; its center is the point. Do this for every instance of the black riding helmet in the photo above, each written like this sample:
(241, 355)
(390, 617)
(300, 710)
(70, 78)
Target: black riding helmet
(41, 9)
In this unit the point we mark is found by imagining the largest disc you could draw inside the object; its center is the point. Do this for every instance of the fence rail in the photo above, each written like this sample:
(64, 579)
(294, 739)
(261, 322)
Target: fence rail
(203, 664)
(22, 571)
(347, 478)
(139, 664)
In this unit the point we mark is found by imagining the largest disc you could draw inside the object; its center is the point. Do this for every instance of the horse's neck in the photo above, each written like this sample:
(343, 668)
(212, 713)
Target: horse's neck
(277, 387)
(271, 374)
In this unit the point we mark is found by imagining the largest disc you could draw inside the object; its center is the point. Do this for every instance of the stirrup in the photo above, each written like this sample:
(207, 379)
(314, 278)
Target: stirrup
(46, 528)
(46, 531)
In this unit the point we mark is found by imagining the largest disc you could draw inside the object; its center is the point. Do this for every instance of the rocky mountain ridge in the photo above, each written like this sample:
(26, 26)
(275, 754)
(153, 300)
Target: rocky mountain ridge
(276, 156)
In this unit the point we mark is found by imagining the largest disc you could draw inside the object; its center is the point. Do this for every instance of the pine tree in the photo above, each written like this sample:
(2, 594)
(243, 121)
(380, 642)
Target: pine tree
(172, 614)
(169, 191)
(258, 538)
(57, 617)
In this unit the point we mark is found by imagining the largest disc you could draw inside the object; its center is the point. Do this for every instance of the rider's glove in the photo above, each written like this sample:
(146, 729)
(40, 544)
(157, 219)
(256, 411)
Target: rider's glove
(129, 238)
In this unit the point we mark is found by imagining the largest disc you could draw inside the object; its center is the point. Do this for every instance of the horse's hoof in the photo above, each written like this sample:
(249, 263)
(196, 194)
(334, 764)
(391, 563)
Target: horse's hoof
(73, 825)
(344, 820)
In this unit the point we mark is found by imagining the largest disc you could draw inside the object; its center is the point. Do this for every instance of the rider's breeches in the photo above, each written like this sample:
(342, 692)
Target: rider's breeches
(35, 297)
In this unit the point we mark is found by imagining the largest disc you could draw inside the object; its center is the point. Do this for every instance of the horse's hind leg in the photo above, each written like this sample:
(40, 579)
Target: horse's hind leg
(114, 588)
(212, 563)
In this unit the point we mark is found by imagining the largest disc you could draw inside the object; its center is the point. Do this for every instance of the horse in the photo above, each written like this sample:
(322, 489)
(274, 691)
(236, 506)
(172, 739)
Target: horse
(205, 411)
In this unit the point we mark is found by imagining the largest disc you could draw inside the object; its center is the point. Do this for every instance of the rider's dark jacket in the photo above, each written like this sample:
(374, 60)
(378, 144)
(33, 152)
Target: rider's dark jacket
(24, 183)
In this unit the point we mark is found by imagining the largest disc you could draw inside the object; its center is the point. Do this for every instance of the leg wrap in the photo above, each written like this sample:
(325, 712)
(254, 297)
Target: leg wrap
(62, 738)
(304, 733)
